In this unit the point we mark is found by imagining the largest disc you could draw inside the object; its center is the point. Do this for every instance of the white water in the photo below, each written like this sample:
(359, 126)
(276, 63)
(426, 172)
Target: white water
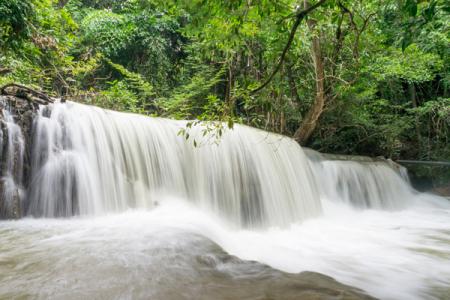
(364, 184)
(147, 254)
(11, 154)
(91, 161)
(256, 195)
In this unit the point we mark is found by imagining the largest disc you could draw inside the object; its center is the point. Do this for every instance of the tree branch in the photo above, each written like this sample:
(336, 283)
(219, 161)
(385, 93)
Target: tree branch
(358, 31)
(39, 94)
(5, 71)
(299, 16)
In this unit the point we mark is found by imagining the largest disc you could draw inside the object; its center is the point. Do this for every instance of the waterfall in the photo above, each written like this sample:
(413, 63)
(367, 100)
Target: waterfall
(90, 161)
(12, 154)
(363, 183)
(172, 217)
(87, 160)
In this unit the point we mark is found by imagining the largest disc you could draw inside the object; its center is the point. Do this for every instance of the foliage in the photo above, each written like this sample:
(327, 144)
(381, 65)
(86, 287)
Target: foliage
(190, 100)
(107, 31)
(413, 65)
(386, 65)
(14, 24)
(134, 81)
(119, 97)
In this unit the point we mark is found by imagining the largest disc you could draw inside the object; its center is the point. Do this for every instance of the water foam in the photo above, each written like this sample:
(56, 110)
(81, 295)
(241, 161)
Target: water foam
(92, 161)
(257, 195)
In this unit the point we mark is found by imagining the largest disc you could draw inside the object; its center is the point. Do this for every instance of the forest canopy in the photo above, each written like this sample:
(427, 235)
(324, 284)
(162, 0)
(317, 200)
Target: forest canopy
(342, 76)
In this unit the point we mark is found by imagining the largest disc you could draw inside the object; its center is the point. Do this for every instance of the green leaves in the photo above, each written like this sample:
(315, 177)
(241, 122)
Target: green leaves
(119, 97)
(143, 89)
(107, 31)
(194, 99)
(415, 22)
(406, 41)
(429, 12)
(197, 59)
(15, 17)
(411, 7)
(413, 65)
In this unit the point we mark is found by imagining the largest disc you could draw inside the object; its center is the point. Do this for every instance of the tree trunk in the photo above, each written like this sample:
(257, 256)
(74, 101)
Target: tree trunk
(413, 97)
(309, 122)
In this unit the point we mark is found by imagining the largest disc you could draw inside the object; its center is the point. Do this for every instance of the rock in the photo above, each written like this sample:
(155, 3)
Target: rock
(234, 278)
(443, 191)
(21, 103)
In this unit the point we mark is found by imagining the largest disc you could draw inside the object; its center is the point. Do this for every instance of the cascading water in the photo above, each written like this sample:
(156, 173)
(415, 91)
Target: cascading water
(165, 212)
(91, 161)
(12, 154)
(363, 184)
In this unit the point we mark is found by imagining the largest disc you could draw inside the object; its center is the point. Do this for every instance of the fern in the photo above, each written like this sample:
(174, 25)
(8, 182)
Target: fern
(134, 80)
(189, 100)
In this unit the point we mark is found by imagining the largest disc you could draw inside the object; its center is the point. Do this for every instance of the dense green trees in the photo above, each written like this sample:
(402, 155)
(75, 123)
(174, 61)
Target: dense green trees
(367, 77)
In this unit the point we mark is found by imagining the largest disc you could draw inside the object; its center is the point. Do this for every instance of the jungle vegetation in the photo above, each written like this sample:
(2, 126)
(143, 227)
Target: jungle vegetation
(365, 77)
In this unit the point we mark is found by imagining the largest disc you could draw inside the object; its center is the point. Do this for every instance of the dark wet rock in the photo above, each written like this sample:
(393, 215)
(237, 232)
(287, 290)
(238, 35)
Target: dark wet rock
(22, 104)
(221, 276)
(442, 191)
(240, 279)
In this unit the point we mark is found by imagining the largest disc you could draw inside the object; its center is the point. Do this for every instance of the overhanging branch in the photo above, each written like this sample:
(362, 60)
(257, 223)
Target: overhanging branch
(299, 16)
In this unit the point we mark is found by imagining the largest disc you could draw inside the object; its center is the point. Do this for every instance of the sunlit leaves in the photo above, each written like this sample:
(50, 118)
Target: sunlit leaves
(413, 65)
(15, 25)
(107, 31)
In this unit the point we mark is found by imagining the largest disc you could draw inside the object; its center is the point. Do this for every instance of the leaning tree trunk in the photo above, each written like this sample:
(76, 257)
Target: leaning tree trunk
(309, 122)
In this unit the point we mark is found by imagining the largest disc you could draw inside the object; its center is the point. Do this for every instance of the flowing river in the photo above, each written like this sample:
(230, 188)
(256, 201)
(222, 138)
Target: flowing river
(121, 206)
